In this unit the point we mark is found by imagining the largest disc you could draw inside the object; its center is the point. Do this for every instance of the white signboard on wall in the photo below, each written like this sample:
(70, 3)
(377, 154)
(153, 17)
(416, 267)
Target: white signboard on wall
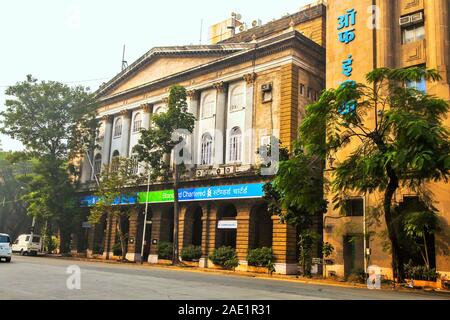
(227, 224)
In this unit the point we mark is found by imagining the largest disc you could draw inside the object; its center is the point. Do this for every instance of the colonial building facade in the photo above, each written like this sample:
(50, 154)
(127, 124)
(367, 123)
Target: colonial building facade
(361, 36)
(242, 91)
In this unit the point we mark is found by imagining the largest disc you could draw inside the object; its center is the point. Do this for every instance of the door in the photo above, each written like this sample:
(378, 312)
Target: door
(353, 254)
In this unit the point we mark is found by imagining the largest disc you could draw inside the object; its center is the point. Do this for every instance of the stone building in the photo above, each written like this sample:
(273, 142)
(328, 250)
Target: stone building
(243, 90)
(404, 33)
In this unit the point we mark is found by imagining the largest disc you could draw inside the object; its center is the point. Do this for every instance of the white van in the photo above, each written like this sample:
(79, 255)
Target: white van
(5, 247)
(27, 245)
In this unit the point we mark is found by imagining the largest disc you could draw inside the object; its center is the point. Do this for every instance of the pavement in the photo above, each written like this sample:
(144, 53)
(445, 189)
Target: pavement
(46, 278)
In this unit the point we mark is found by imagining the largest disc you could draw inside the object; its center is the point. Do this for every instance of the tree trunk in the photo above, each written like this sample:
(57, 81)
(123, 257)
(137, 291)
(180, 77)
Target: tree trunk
(397, 260)
(121, 238)
(176, 211)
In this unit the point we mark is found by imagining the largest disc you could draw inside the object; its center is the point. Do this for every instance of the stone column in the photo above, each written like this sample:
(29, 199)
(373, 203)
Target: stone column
(146, 115)
(183, 228)
(284, 247)
(156, 233)
(209, 224)
(133, 251)
(106, 147)
(86, 169)
(74, 243)
(194, 108)
(249, 149)
(243, 232)
(220, 134)
(126, 128)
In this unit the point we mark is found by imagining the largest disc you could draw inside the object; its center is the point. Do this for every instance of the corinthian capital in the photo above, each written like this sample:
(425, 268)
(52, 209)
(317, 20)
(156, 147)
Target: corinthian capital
(250, 77)
(219, 86)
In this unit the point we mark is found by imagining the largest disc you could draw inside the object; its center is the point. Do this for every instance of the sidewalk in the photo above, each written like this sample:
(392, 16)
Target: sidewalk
(289, 278)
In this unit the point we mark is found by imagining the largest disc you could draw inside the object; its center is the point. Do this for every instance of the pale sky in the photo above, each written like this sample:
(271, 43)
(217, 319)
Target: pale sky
(81, 41)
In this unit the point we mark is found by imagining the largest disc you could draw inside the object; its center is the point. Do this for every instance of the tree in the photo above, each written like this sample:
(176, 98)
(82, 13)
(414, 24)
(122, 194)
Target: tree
(297, 192)
(53, 121)
(167, 136)
(406, 144)
(117, 184)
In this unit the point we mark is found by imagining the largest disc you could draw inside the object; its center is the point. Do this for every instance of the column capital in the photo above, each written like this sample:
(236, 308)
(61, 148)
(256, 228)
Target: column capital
(146, 107)
(192, 94)
(107, 117)
(165, 100)
(125, 113)
(250, 78)
(219, 86)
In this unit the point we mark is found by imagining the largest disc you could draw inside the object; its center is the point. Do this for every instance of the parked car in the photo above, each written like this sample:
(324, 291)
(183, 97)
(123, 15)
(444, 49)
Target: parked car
(27, 244)
(5, 247)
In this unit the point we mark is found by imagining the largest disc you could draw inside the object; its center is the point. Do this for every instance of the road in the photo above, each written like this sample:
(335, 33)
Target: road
(46, 278)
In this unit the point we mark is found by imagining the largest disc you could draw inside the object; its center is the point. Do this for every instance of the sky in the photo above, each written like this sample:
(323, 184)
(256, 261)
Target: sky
(80, 42)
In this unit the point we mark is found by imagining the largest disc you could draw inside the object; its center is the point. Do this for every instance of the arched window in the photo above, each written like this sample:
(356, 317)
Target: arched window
(97, 164)
(137, 123)
(235, 145)
(207, 149)
(237, 98)
(118, 128)
(208, 106)
(115, 160)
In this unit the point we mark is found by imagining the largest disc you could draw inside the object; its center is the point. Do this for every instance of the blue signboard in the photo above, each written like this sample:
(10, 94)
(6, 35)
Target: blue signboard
(90, 201)
(242, 191)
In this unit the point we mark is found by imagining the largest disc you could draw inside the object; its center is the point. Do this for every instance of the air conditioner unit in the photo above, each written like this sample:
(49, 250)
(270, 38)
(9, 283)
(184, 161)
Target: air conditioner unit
(256, 23)
(266, 87)
(229, 170)
(405, 20)
(417, 17)
(243, 27)
(200, 173)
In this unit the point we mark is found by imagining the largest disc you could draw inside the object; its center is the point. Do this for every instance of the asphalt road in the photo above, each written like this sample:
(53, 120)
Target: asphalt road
(46, 278)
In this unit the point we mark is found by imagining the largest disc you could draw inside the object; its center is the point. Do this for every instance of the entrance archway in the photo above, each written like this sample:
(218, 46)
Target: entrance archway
(226, 237)
(193, 226)
(261, 227)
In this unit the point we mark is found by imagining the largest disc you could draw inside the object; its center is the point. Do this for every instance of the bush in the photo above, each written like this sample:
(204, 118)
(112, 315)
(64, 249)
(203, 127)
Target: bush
(117, 249)
(225, 257)
(165, 250)
(420, 272)
(357, 276)
(260, 257)
(191, 253)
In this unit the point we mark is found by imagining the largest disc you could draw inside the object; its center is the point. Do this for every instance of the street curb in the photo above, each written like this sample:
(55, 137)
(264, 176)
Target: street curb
(293, 279)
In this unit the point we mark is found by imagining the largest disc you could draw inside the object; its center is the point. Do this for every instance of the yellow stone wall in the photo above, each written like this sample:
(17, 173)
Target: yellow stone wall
(383, 48)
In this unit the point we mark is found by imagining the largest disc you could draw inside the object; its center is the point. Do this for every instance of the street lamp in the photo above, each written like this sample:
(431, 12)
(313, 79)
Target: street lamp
(145, 216)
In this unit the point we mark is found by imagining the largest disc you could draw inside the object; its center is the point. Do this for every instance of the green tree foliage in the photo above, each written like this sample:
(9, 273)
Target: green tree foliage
(13, 215)
(397, 134)
(116, 184)
(164, 138)
(54, 122)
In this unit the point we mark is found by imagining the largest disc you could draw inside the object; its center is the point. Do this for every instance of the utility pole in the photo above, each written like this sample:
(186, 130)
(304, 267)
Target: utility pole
(124, 62)
(145, 216)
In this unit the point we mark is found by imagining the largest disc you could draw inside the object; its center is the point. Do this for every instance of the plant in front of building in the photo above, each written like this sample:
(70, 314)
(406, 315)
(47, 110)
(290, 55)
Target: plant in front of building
(53, 121)
(394, 136)
(117, 184)
(165, 250)
(167, 136)
(225, 257)
(261, 257)
(191, 253)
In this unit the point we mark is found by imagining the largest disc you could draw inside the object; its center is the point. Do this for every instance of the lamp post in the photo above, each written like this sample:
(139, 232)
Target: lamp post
(145, 216)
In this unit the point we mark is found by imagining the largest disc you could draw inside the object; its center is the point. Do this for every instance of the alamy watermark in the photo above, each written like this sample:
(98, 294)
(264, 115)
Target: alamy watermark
(73, 281)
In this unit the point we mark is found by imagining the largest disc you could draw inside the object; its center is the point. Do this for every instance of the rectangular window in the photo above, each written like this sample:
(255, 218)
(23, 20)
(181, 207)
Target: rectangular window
(310, 93)
(354, 207)
(420, 85)
(302, 89)
(413, 33)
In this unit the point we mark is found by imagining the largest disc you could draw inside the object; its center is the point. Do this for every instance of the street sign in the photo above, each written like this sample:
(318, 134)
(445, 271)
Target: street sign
(86, 225)
(227, 224)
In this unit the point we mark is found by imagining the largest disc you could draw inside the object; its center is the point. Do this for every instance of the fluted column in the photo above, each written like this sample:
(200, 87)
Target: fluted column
(249, 150)
(106, 147)
(126, 128)
(219, 135)
(194, 106)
